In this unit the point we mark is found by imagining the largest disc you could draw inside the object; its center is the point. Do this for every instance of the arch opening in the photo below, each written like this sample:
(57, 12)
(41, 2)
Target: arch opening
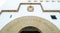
(30, 29)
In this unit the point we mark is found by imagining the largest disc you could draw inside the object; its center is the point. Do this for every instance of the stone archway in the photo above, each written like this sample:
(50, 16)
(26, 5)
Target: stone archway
(17, 24)
(30, 29)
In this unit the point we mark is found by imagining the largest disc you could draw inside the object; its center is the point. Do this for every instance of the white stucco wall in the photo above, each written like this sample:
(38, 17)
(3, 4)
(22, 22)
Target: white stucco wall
(13, 4)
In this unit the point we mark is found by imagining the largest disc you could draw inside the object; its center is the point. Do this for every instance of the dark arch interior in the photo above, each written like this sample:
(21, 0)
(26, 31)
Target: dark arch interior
(30, 29)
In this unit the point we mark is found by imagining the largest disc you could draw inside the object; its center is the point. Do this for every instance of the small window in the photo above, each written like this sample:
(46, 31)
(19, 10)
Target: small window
(53, 17)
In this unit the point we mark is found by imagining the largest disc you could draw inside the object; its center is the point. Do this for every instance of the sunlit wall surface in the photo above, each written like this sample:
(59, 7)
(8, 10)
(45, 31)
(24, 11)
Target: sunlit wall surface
(13, 5)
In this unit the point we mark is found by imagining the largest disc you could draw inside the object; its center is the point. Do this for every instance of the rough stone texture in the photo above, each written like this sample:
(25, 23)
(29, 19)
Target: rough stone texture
(16, 25)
